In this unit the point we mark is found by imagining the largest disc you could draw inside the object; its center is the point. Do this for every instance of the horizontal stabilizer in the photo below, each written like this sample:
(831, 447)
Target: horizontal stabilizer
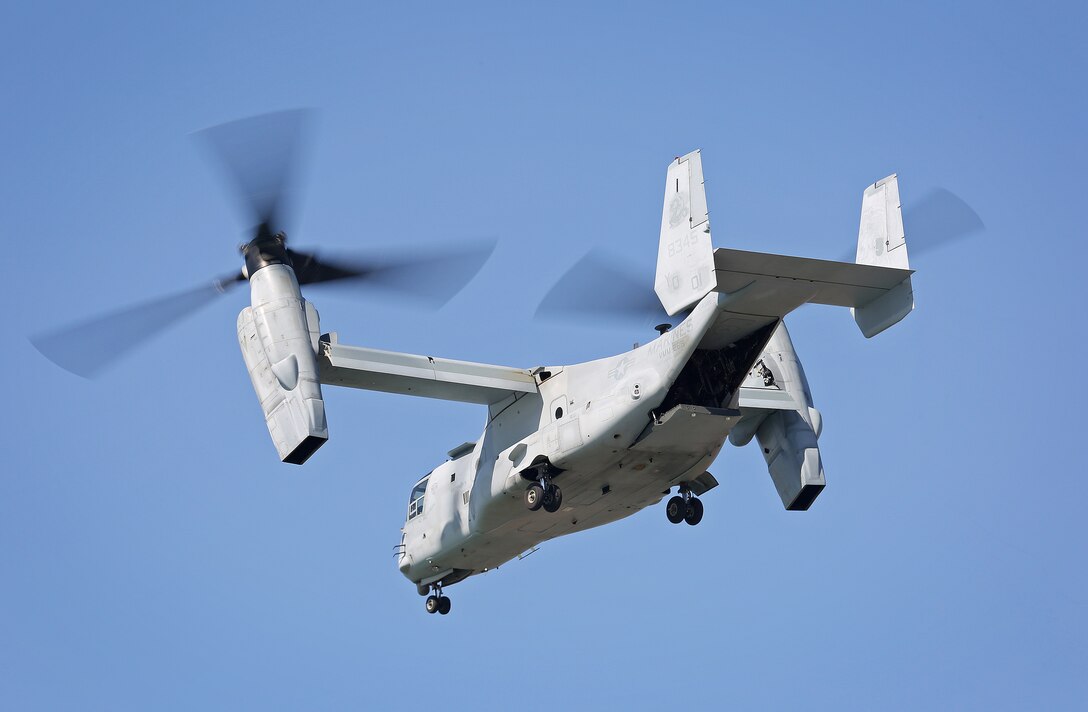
(761, 287)
(773, 285)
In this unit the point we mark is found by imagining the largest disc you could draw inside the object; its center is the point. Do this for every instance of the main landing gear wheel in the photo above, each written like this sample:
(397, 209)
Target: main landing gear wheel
(553, 499)
(684, 507)
(676, 510)
(433, 604)
(534, 496)
(694, 513)
(539, 495)
(443, 605)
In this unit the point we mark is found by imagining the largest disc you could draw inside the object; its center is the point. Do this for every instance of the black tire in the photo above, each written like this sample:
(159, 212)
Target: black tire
(433, 604)
(694, 513)
(553, 499)
(443, 605)
(676, 509)
(534, 496)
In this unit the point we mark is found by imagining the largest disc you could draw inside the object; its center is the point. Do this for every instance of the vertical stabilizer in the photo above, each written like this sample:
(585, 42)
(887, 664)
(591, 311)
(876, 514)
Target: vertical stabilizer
(882, 243)
(685, 256)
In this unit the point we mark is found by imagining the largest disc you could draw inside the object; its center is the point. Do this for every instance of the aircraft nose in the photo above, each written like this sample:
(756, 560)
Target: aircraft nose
(404, 559)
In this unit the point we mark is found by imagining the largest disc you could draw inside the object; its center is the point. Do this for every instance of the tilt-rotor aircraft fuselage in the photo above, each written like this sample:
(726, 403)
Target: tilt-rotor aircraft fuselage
(567, 448)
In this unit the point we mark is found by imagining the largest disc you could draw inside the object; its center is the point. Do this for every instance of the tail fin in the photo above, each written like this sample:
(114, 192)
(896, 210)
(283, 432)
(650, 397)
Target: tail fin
(882, 243)
(685, 256)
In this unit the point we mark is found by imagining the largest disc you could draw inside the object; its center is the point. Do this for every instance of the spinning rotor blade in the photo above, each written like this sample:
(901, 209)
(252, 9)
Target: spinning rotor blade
(936, 219)
(432, 279)
(260, 155)
(88, 347)
(596, 288)
(939, 217)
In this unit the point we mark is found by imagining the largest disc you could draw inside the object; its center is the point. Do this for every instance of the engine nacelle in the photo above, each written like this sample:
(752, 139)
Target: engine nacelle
(788, 438)
(789, 446)
(278, 334)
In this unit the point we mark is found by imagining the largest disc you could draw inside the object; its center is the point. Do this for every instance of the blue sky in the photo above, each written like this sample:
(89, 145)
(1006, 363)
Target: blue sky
(154, 554)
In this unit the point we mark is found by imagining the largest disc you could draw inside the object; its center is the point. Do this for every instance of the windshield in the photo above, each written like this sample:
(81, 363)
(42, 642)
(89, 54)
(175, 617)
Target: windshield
(415, 502)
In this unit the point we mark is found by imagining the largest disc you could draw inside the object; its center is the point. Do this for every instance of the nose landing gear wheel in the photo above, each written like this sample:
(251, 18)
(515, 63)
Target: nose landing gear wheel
(436, 602)
(676, 510)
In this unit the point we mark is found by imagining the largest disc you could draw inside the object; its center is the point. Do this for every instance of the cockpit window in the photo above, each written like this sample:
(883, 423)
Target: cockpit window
(415, 503)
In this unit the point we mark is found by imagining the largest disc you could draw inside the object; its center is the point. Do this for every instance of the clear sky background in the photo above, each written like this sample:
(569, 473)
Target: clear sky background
(154, 554)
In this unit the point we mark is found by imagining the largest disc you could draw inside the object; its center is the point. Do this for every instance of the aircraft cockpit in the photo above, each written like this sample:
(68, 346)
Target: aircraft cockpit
(415, 502)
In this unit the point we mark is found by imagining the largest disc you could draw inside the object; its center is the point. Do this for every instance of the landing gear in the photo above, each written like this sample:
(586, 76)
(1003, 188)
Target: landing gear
(543, 494)
(553, 498)
(684, 507)
(534, 496)
(694, 513)
(676, 509)
(436, 602)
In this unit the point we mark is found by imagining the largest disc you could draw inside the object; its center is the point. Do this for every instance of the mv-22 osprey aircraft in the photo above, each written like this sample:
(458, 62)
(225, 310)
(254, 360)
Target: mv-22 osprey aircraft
(570, 447)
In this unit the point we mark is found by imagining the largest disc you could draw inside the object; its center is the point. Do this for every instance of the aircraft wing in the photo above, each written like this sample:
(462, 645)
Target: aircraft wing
(414, 375)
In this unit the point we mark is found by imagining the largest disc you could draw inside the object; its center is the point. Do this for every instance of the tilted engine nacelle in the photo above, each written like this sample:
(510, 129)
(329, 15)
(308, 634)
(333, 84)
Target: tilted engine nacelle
(279, 335)
(787, 438)
(789, 446)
